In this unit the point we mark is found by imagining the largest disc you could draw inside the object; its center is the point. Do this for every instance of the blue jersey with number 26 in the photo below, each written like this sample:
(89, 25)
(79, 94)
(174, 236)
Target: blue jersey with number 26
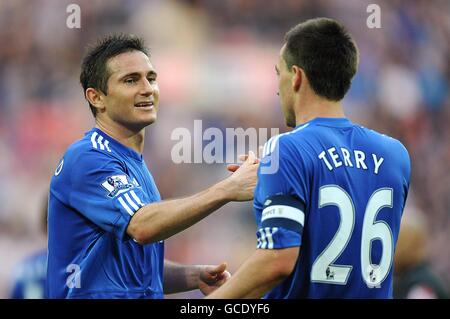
(338, 191)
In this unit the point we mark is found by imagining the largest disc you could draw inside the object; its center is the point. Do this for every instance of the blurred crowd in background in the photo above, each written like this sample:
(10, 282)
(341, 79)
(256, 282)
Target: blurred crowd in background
(215, 62)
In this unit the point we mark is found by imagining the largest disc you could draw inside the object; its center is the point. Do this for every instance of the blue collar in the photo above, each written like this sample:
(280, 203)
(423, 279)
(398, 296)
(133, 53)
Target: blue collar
(328, 121)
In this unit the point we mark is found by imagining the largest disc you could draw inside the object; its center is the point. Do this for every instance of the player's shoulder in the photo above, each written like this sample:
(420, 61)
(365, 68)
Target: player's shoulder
(92, 149)
(385, 141)
(285, 142)
(86, 155)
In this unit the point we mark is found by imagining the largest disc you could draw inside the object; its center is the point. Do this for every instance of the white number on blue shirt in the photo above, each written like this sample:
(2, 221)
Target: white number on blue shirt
(323, 269)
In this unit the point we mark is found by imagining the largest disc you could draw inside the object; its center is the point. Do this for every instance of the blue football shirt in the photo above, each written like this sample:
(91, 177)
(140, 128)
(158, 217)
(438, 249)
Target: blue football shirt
(97, 187)
(30, 277)
(338, 191)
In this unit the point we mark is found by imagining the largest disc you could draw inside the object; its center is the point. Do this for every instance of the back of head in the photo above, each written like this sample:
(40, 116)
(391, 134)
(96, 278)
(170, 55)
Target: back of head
(94, 71)
(326, 52)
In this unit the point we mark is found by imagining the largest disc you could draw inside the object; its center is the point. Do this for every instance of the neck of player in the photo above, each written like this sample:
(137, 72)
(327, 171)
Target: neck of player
(316, 107)
(130, 138)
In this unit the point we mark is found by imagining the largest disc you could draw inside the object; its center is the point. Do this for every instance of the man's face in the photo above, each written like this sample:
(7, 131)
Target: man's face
(133, 93)
(285, 89)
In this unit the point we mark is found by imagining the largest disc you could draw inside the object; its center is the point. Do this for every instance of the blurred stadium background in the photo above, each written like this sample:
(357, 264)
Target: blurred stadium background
(215, 61)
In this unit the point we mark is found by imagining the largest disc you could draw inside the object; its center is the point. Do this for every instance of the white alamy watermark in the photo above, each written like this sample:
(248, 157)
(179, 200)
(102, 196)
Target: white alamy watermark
(73, 20)
(213, 145)
(74, 278)
(374, 19)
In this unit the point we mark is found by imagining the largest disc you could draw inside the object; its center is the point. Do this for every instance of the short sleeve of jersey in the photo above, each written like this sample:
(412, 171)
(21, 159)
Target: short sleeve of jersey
(280, 194)
(103, 192)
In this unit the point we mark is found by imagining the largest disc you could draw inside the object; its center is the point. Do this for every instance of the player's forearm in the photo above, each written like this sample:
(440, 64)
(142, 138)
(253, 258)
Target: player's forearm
(180, 278)
(158, 221)
(263, 271)
(251, 281)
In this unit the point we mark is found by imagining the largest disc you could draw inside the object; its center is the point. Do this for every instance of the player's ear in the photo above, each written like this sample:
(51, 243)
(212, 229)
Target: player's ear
(297, 78)
(95, 98)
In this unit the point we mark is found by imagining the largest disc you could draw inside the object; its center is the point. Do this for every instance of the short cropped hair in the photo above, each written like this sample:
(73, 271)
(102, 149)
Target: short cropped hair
(94, 71)
(326, 52)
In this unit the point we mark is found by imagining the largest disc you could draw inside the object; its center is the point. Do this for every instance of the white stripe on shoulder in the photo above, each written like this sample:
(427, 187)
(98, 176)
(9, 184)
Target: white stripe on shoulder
(93, 137)
(293, 131)
(299, 128)
(270, 145)
(99, 141)
(264, 149)
(274, 143)
(107, 145)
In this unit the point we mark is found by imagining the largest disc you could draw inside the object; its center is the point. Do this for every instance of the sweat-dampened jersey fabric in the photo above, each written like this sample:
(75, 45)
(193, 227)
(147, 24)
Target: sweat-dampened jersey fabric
(338, 191)
(96, 189)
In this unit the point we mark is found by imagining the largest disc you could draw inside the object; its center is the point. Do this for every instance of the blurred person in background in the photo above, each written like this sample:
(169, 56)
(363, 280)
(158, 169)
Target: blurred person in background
(340, 188)
(414, 278)
(30, 275)
(106, 220)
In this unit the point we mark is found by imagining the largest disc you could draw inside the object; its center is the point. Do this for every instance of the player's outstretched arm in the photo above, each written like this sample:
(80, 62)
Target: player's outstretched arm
(207, 278)
(158, 221)
(261, 272)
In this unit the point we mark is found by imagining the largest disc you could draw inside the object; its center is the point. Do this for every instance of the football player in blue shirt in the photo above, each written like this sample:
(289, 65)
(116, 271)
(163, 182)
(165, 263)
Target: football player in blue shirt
(30, 276)
(106, 220)
(330, 193)
(31, 273)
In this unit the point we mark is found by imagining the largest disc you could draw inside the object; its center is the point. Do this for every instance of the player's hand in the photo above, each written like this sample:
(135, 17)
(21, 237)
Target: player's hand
(212, 277)
(242, 182)
(234, 167)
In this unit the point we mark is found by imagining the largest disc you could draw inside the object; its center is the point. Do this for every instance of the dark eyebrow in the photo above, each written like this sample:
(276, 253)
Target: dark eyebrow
(137, 74)
(276, 68)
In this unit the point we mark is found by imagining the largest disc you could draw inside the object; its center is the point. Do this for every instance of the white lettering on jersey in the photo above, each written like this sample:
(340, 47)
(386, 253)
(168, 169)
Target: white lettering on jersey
(377, 162)
(323, 157)
(348, 158)
(360, 156)
(334, 157)
(346, 154)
